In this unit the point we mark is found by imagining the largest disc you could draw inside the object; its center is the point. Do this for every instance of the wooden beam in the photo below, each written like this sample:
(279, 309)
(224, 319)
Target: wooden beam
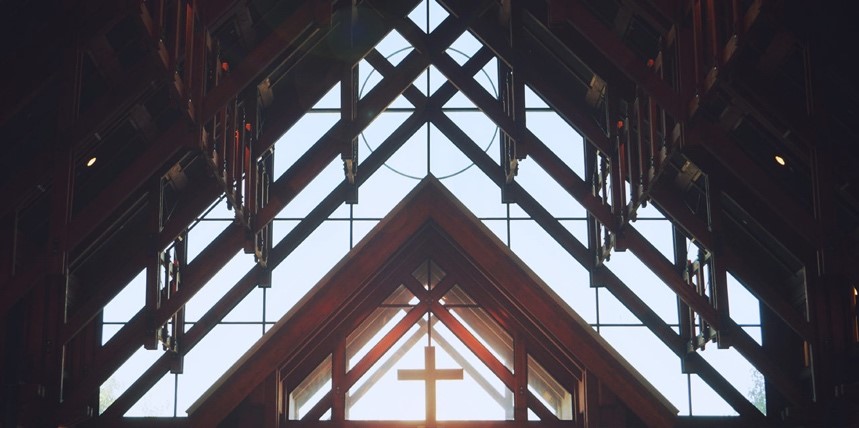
(385, 343)
(108, 285)
(577, 188)
(664, 198)
(603, 274)
(480, 351)
(298, 26)
(521, 401)
(289, 243)
(661, 266)
(589, 26)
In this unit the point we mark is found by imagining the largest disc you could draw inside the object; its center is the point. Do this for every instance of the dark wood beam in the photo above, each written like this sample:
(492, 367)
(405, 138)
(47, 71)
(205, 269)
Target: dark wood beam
(107, 285)
(566, 369)
(711, 137)
(386, 367)
(603, 275)
(300, 25)
(582, 191)
(461, 360)
(580, 121)
(385, 344)
(321, 313)
(664, 269)
(473, 344)
(299, 233)
(694, 227)
(645, 251)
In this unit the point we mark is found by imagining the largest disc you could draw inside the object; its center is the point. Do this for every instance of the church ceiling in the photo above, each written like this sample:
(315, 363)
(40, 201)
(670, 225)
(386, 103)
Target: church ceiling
(180, 174)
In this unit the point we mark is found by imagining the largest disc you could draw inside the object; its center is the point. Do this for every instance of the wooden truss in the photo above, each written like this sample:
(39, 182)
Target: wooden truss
(186, 115)
(430, 225)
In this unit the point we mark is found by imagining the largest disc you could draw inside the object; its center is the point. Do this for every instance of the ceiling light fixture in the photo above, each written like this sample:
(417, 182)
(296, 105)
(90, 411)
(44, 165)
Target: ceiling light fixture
(90, 162)
(780, 160)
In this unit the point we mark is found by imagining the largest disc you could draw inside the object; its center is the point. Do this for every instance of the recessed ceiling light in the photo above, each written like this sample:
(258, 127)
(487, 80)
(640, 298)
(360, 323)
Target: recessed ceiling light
(780, 160)
(91, 161)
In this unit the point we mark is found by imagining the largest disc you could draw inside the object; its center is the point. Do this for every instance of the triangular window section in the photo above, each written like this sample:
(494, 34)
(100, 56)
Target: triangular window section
(431, 318)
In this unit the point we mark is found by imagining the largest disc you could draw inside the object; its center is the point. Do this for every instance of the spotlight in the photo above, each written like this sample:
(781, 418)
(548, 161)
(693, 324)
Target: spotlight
(90, 162)
(780, 160)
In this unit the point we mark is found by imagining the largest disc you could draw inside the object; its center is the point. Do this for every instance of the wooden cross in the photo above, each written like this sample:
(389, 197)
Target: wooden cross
(429, 375)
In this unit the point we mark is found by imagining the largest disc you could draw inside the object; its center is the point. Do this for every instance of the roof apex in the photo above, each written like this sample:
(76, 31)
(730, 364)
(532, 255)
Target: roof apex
(431, 203)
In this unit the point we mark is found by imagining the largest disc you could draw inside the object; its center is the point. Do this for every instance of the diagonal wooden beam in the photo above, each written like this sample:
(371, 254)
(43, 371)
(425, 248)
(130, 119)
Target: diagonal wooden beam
(297, 235)
(664, 269)
(384, 91)
(540, 409)
(180, 134)
(567, 370)
(468, 367)
(572, 112)
(287, 111)
(645, 251)
(700, 132)
(600, 36)
(327, 312)
(603, 274)
(669, 203)
(740, 177)
(577, 188)
(389, 364)
(110, 284)
(480, 351)
(300, 25)
(385, 344)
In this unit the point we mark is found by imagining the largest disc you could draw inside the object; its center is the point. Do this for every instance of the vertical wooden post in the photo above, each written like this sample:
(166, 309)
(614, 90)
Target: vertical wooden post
(338, 380)
(507, 148)
(590, 398)
(616, 125)
(153, 264)
(640, 180)
(349, 112)
(655, 143)
(180, 262)
(520, 377)
(685, 316)
(718, 272)
(349, 86)
(592, 174)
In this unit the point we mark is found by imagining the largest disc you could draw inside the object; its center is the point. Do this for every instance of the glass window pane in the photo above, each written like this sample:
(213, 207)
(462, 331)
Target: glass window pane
(552, 394)
(211, 358)
(564, 275)
(304, 396)
(650, 357)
